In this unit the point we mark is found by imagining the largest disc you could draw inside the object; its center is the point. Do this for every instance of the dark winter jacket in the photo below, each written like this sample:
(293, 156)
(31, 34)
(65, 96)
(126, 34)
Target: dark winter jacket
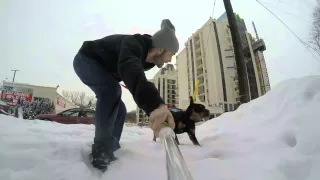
(125, 57)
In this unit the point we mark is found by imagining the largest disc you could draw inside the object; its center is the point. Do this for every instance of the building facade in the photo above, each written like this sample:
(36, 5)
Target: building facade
(256, 67)
(208, 56)
(258, 79)
(166, 82)
(12, 92)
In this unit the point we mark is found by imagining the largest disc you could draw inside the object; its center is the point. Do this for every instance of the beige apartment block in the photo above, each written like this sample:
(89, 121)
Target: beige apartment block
(166, 82)
(208, 56)
(258, 79)
(255, 49)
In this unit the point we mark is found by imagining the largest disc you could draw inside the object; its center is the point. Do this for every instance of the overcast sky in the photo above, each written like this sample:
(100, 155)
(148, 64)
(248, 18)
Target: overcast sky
(41, 37)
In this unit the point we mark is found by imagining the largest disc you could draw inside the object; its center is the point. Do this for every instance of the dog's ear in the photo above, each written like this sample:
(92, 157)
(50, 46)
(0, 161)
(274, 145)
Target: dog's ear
(191, 100)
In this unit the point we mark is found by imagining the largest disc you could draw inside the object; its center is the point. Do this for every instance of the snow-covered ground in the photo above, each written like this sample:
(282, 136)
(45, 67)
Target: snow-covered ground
(275, 137)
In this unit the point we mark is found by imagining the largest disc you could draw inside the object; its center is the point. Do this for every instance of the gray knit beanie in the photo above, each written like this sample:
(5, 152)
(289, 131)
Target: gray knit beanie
(166, 37)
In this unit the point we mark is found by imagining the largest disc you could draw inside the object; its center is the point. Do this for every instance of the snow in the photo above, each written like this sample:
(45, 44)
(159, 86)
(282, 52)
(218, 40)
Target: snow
(275, 137)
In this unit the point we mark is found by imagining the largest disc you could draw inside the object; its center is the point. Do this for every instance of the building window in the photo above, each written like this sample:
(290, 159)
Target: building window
(228, 53)
(230, 62)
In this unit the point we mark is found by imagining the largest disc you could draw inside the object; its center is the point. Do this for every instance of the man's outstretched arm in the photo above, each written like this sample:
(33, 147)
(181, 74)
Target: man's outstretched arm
(132, 73)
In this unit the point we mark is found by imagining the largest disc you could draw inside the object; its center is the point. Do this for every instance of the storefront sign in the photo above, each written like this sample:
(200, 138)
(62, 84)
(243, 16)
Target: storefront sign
(12, 97)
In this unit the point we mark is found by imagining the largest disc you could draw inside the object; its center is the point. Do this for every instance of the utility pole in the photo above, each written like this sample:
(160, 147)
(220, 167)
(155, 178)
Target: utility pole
(238, 52)
(14, 75)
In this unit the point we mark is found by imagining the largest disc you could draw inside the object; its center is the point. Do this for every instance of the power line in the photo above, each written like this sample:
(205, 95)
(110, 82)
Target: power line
(288, 4)
(308, 3)
(214, 5)
(281, 9)
(303, 43)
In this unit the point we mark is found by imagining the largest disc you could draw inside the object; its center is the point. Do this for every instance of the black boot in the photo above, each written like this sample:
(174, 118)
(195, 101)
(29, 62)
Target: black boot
(101, 156)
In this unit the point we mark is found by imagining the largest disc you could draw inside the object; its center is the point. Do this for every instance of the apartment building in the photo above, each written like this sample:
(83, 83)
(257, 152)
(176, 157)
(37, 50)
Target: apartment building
(256, 67)
(258, 79)
(208, 56)
(166, 82)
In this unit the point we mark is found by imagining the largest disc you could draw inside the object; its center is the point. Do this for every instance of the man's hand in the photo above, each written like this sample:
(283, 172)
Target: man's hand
(158, 117)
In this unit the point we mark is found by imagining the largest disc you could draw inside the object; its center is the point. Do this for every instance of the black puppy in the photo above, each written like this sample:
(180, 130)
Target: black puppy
(185, 120)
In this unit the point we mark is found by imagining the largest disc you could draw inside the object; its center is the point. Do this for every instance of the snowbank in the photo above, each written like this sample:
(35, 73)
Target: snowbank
(275, 137)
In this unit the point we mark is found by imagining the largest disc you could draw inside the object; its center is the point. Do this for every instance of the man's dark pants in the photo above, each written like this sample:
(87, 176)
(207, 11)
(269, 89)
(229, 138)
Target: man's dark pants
(110, 110)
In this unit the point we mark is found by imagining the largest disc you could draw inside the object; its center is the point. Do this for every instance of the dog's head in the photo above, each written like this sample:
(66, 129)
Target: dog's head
(196, 111)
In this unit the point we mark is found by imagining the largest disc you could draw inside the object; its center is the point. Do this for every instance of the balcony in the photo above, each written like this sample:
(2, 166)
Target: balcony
(200, 76)
(171, 81)
(197, 42)
(198, 64)
(196, 37)
(171, 97)
(201, 80)
(202, 98)
(173, 92)
(198, 52)
(171, 87)
(201, 89)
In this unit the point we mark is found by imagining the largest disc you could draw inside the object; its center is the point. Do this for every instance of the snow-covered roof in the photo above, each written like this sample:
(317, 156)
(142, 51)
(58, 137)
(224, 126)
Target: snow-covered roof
(25, 84)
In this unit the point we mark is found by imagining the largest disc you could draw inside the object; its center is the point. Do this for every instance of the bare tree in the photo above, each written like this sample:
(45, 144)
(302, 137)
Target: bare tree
(82, 99)
(79, 98)
(66, 94)
(315, 30)
(91, 102)
(72, 96)
(75, 97)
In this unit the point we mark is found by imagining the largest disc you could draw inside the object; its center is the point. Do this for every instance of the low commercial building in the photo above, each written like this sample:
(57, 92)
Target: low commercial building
(11, 92)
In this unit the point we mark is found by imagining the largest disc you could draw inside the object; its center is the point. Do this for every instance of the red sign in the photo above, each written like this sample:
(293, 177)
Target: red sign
(12, 97)
(61, 102)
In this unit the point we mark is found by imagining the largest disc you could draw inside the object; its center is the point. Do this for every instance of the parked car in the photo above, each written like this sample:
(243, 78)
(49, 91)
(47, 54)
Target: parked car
(4, 107)
(70, 116)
